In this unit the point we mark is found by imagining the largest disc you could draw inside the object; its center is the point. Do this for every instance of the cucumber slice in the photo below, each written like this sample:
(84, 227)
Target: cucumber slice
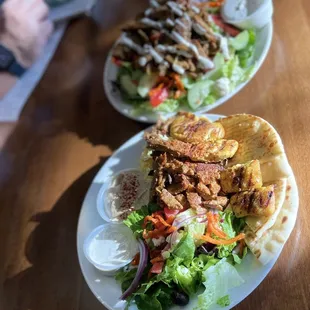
(127, 85)
(146, 83)
(240, 41)
(198, 93)
(219, 62)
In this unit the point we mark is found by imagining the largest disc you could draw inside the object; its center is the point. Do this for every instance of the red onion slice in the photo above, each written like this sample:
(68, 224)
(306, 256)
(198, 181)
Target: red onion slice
(142, 264)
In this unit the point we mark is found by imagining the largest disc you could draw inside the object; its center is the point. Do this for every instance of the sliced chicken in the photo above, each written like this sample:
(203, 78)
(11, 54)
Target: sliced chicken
(258, 202)
(209, 151)
(188, 127)
(241, 177)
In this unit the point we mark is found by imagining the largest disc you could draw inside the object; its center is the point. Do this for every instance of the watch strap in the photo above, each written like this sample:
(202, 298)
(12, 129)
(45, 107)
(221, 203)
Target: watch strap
(16, 69)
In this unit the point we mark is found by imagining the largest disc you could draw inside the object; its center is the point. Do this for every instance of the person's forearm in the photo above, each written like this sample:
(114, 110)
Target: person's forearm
(7, 81)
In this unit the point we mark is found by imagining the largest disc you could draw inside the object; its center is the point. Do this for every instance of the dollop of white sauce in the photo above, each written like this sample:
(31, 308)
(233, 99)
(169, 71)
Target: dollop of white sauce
(176, 8)
(178, 69)
(222, 86)
(224, 47)
(112, 247)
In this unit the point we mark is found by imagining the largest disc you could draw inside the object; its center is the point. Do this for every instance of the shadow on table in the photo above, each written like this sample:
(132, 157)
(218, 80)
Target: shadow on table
(52, 279)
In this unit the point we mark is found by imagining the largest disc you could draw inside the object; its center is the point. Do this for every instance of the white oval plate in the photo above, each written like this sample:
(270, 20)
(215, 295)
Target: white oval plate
(264, 38)
(106, 289)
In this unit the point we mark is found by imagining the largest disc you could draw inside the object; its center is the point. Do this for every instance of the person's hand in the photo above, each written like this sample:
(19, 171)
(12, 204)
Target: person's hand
(26, 29)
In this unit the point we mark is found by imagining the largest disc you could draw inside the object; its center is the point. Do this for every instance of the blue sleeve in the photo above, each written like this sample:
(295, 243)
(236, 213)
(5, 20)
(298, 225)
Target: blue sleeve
(1, 1)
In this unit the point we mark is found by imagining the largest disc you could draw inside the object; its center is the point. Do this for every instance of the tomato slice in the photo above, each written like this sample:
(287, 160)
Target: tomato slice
(169, 212)
(231, 30)
(117, 61)
(157, 268)
(158, 95)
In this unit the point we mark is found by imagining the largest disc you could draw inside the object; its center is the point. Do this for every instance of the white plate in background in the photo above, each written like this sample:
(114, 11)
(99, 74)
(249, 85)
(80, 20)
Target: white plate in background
(264, 38)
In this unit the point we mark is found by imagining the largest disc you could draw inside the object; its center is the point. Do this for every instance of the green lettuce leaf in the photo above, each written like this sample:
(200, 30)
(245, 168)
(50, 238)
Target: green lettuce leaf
(224, 301)
(168, 106)
(196, 229)
(125, 278)
(185, 249)
(227, 227)
(135, 219)
(219, 279)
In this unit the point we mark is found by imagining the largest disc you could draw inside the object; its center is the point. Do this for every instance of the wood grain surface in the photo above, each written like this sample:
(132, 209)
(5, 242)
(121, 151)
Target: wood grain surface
(67, 130)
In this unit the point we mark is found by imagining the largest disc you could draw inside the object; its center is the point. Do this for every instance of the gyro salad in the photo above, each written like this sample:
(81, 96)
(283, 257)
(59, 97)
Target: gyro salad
(181, 55)
(206, 202)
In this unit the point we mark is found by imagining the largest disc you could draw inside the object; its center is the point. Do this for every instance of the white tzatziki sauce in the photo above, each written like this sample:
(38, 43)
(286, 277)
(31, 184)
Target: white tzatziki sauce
(240, 9)
(111, 246)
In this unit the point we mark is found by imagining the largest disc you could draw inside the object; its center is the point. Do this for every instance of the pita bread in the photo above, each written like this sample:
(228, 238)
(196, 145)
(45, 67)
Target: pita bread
(257, 140)
(260, 224)
(272, 241)
(265, 236)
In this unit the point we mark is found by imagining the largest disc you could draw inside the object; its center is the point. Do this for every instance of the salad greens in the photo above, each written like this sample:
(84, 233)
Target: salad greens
(186, 271)
(218, 280)
(135, 219)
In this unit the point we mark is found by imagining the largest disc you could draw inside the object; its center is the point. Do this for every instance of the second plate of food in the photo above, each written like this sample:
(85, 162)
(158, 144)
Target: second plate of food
(176, 57)
(220, 188)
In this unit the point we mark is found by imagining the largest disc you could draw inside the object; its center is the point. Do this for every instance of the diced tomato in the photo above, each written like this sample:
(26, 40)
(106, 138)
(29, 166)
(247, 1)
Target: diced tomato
(169, 212)
(231, 30)
(157, 268)
(117, 61)
(158, 95)
(155, 36)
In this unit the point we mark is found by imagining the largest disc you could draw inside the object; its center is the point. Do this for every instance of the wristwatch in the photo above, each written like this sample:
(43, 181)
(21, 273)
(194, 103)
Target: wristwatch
(8, 62)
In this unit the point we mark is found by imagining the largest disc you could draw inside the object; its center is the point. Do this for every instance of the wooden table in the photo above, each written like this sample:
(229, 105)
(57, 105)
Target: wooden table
(67, 131)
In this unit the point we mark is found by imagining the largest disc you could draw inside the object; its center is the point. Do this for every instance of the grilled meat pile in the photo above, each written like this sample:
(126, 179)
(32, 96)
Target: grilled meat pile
(171, 36)
(190, 168)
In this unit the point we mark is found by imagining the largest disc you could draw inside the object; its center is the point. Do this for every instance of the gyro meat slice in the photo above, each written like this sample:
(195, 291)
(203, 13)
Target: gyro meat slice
(194, 200)
(189, 128)
(180, 185)
(209, 151)
(169, 200)
(258, 202)
(241, 177)
(204, 191)
(215, 188)
(208, 173)
(182, 200)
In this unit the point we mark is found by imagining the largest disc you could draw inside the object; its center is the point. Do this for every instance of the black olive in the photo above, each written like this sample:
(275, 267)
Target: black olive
(180, 298)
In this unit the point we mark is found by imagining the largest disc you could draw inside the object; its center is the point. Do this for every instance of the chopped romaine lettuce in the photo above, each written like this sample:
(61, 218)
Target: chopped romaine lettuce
(224, 301)
(219, 279)
(185, 249)
(135, 219)
(197, 230)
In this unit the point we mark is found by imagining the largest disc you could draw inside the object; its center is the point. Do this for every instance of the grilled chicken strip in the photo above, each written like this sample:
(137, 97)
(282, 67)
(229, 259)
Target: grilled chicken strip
(258, 202)
(188, 127)
(209, 151)
(241, 177)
